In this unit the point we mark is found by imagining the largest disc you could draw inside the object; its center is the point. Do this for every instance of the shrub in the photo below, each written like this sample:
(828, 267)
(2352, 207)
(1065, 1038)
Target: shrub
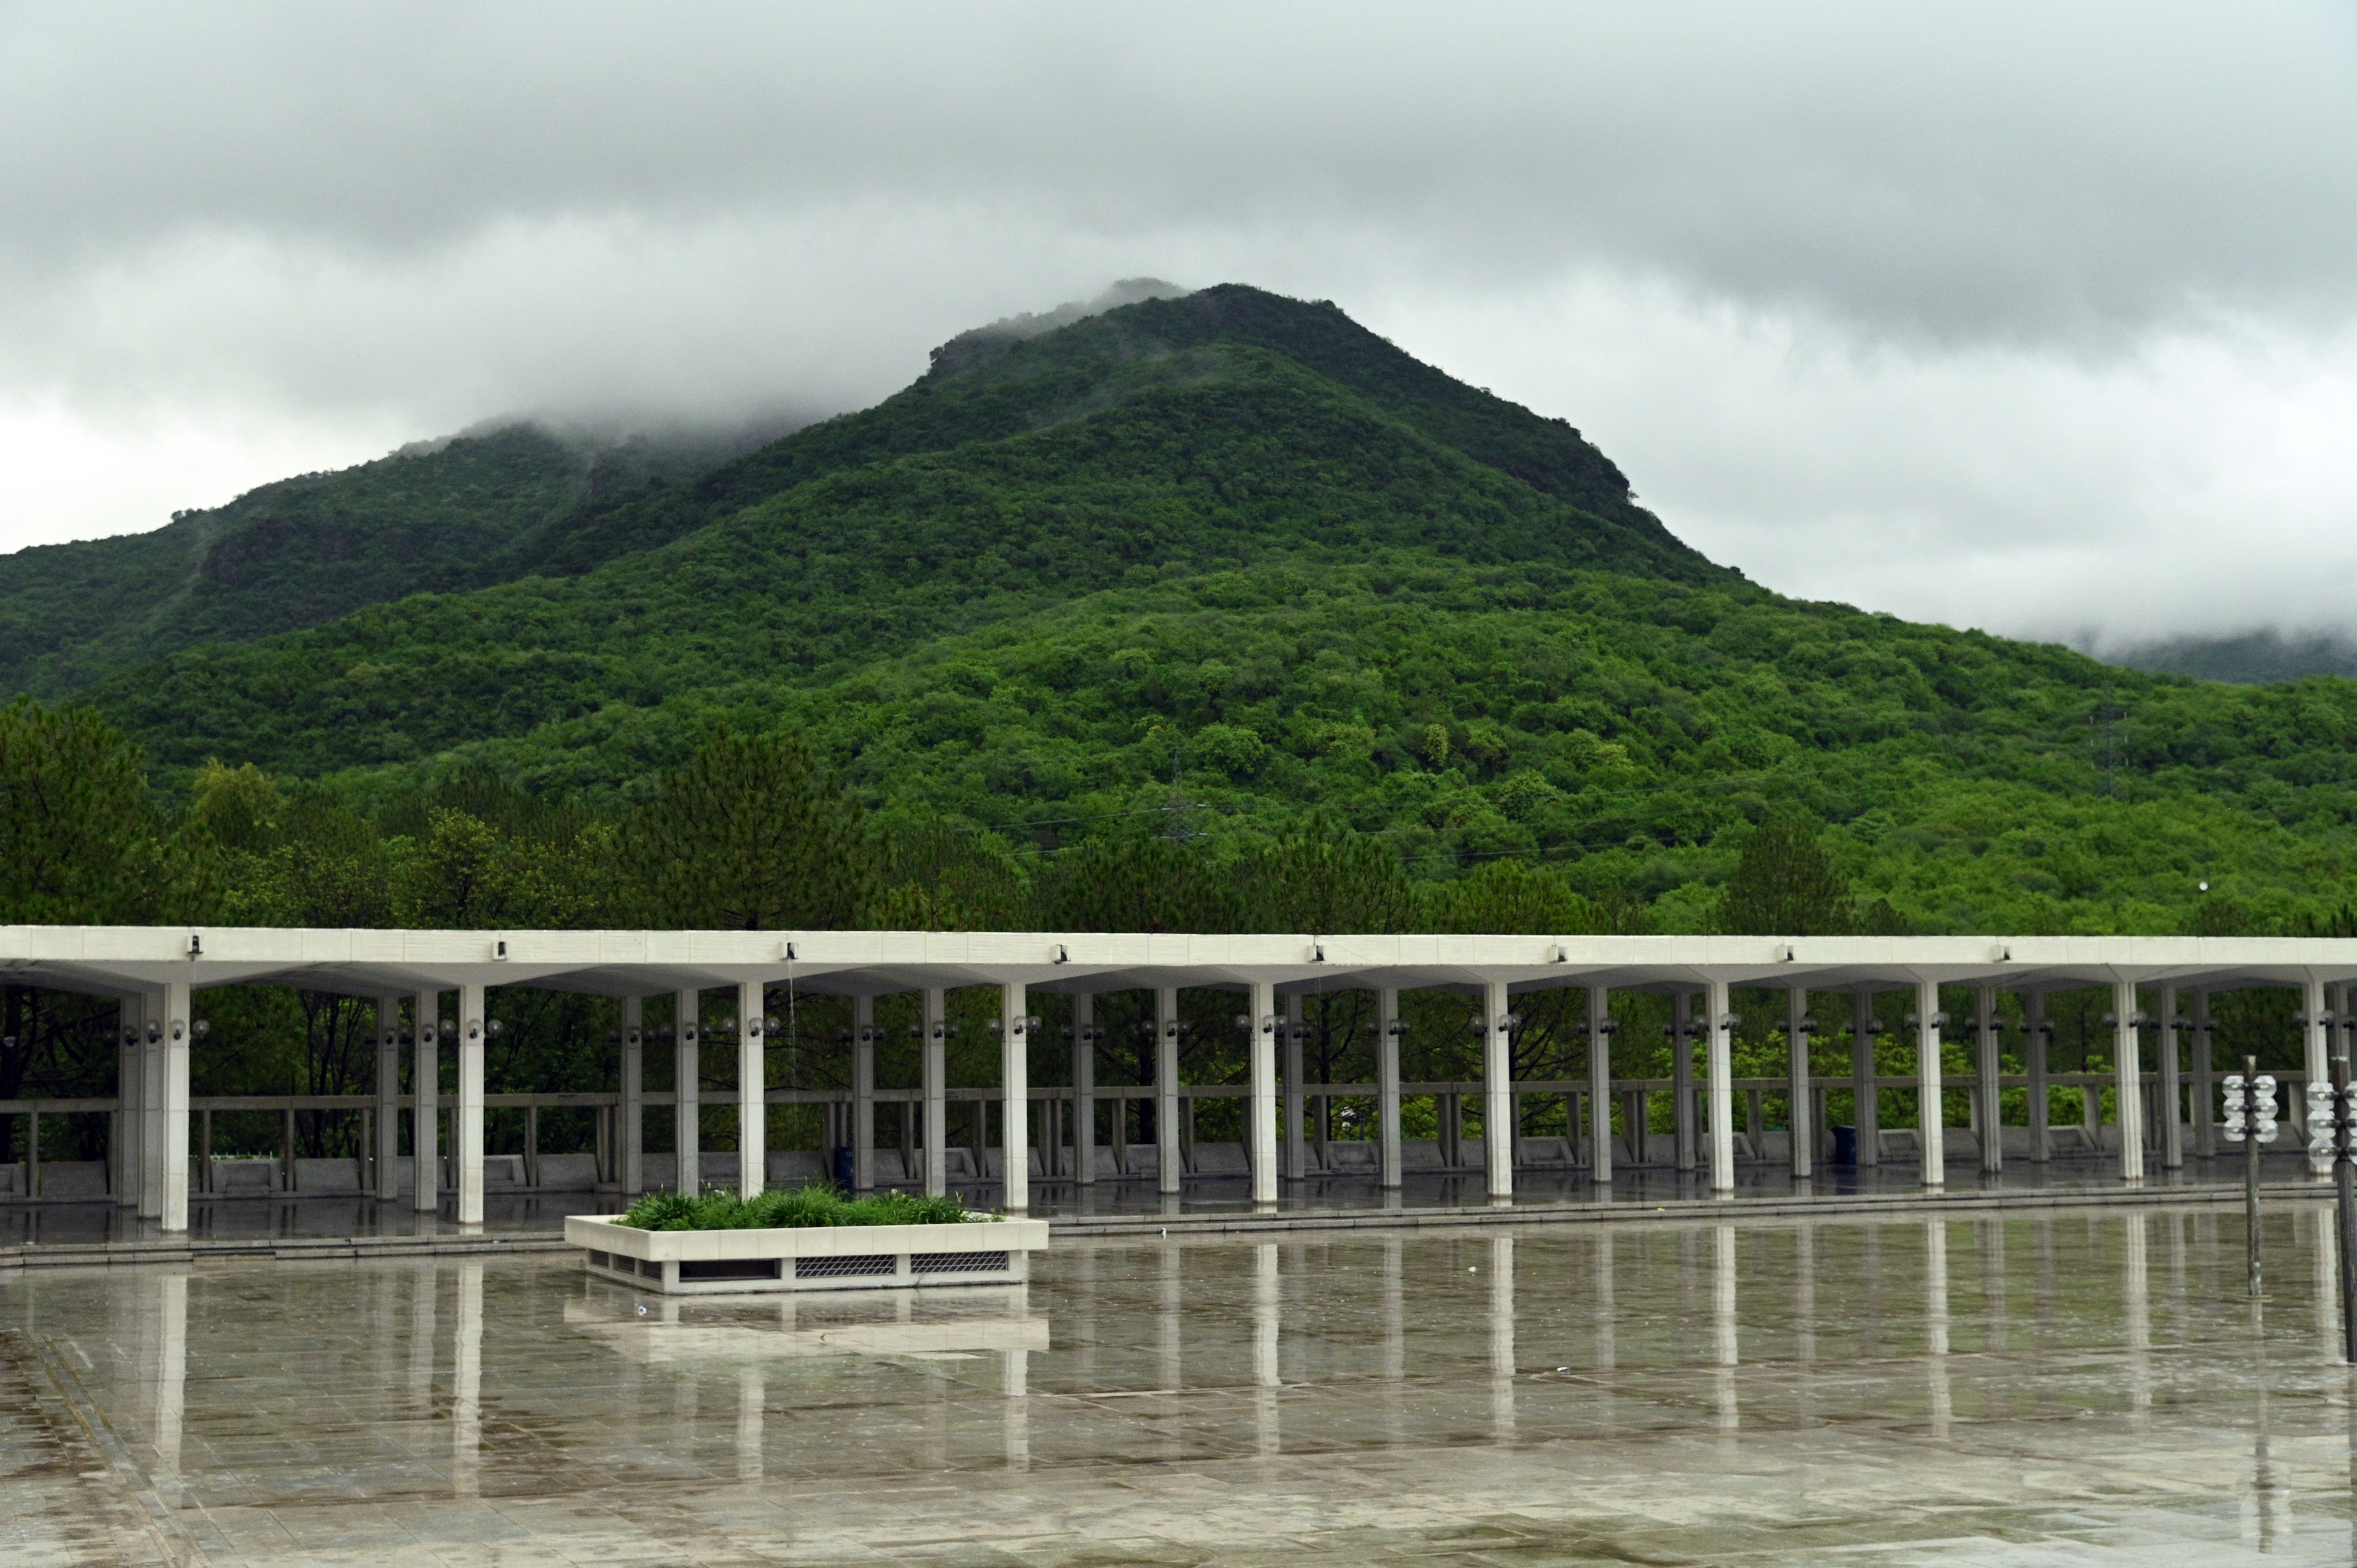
(817, 1203)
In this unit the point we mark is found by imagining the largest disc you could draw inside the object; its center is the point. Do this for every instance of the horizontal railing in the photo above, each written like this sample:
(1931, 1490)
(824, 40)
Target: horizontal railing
(1472, 1089)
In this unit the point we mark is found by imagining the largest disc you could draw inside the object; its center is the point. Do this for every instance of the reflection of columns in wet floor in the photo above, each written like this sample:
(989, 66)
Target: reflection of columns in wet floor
(466, 1386)
(1172, 1370)
(1015, 1423)
(1935, 1325)
(421, 1339)
(1394, 1309)
(1293, 1270)
(938, 1388)
(2136, 1315)
(2175, 1221)
(171, 1367)
(2327, 1288)
(752, 1396)
(686, 1397)
(1173, 1296)
(1266, 1285)
(381, 1322)
(1993, 1308)
(1869, 1277)
(1501, 1338)
(1804, 1291)
(1394, 1364)
(1607, 1351)
(1084, 1286)
(1724, 1345)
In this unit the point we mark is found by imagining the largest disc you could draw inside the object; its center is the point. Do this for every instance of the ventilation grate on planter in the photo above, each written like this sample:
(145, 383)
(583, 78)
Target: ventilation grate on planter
(841, 1268)
(957, 1263)
(730, 1268)
(600, 1260)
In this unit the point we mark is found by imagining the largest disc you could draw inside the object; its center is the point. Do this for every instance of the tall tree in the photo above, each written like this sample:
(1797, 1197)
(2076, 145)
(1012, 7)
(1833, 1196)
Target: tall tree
(1505, 897)
(750, 835)
(1140, 885)
(935, 875)
(1785, 885)
(77, 834)
(1323, 878)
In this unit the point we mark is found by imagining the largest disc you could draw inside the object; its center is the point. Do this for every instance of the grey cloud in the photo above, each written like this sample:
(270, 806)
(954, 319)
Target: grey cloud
(2011, 170)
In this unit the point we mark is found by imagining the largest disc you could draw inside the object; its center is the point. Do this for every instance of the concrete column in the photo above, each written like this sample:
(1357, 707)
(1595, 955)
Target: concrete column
(1387, 1086)
(152, 1115)
(1718, 1075)
(1166, 1157)
(687, 1073)
(1682, 1034)
(753, 1090)
(388, 1099)
(934, 1073)
(1015, 1077)
(863, 1095)
(466, 1116)
(1296, 1146)
(130, 1136)
(2172, 1131)
(631, 1133)
(1929, 1112)
(1260, 1133)
(1084, 1089)
(424, 1084)
(2127, 1082)
(2317, 1034)
(1989, 1065)
(1796, 1082)
(2034, 1041)
(1599, 1084)
(1866, 1092)
(1497, 1090)
(2205, 1089)
(174, 1072)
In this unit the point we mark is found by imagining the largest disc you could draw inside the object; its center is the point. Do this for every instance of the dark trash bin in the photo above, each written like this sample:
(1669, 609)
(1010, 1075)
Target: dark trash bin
(1845, 1145)
(844, 1174)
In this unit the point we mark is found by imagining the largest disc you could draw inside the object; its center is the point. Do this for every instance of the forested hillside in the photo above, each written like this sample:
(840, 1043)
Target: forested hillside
(302, 552)
(291, 555)
(1195, 568)
(1215, 613)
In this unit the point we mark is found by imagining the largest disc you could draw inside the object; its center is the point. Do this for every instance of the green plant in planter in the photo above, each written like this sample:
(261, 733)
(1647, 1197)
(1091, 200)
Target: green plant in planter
(817, 1203)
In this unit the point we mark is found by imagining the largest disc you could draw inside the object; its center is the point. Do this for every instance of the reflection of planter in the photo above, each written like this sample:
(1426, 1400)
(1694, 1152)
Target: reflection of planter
(980, 1320)
(824, 1257)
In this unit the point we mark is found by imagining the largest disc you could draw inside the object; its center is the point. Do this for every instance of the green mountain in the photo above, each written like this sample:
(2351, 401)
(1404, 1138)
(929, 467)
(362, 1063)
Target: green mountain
(304, 550)
(1198, 565)
(1120, 458)
(2251, 658)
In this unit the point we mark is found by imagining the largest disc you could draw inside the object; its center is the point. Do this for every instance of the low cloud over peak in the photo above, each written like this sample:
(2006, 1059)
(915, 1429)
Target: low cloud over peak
(1994, 314)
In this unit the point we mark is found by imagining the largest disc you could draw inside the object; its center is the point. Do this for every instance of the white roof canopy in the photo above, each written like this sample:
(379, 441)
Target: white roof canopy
(127, 960)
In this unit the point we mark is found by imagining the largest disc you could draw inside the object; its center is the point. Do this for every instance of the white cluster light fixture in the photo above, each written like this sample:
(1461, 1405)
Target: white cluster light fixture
(2250, 1105)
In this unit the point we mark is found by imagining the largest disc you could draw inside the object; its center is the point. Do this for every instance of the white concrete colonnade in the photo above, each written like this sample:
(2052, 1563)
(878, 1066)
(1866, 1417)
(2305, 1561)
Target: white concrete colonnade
(155, 972)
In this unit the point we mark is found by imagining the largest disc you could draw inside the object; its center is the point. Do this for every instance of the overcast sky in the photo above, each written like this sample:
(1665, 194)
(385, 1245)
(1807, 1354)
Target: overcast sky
(2041, 319)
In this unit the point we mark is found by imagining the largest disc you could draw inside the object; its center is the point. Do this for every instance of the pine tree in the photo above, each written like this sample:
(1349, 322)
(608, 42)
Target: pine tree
(750, 835)
(1785, 885)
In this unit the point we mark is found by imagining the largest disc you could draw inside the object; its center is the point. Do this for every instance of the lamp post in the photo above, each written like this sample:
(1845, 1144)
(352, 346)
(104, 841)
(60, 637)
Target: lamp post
(2343, 1121)
(2250, 1120)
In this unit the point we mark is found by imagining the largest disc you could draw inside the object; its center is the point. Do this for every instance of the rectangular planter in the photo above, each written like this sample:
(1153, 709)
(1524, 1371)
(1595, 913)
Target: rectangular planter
(819, 1257)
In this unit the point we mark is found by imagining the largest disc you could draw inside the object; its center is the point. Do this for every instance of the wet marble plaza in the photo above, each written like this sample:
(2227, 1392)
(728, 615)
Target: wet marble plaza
(2083, 1385)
